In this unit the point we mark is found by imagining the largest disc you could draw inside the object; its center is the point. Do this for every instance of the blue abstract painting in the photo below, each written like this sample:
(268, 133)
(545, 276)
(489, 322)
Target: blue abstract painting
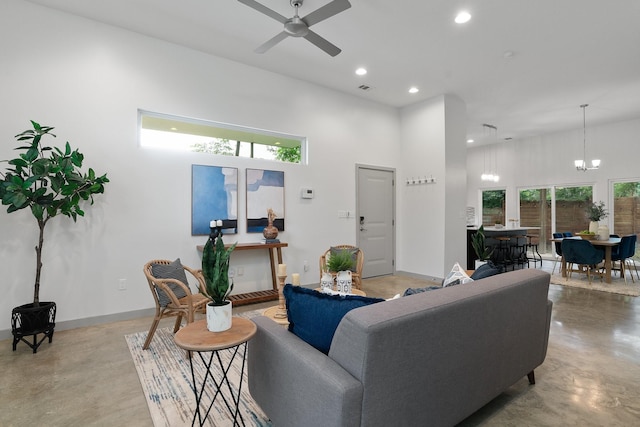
(265, 190)
(214, 195)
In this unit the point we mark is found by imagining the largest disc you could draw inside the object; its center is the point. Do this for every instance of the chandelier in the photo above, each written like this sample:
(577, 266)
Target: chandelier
(581, 164)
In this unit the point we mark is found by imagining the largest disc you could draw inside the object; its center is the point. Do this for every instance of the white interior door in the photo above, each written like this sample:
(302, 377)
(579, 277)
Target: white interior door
(375, 219)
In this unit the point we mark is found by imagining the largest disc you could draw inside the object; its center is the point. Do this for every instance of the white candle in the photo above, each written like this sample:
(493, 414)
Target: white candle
(212, 224)
(282, 269)
(295, 279)
(219, 223)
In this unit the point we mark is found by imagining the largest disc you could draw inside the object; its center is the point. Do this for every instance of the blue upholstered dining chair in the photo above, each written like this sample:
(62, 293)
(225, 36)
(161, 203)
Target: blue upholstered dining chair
(625, 250)
(584, 254)
(631, 260)
(567, 234)
(558, 246)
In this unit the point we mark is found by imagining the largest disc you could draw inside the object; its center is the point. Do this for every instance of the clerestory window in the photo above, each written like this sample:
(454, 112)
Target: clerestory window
(163, 131)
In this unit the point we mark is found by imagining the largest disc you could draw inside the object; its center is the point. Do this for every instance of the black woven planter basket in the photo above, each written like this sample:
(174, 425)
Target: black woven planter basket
(31, 320)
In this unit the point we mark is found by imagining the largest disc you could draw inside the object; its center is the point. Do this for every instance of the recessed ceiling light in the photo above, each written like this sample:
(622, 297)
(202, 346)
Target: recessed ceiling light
(361, 71)
(414, 89)
(174, 128)
(463, 17)
(470, 141)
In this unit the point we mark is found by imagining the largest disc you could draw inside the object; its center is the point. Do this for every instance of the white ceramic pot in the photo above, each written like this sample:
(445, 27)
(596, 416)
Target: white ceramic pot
(343, 282)
(603, 232)
(219, 317)
(593, 227)
(326, 282)
(479, 263)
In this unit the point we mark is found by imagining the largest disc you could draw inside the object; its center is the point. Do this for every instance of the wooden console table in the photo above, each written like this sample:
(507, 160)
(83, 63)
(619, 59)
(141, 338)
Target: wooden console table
(259, 296)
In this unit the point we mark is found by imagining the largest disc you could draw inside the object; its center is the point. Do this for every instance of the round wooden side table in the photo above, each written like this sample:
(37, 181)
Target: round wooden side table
(195, 337)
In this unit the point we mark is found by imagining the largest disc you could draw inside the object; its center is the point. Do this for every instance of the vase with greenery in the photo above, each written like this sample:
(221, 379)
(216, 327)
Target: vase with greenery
(49, 182)
(215, 269)
(596, 212)
(478, 239)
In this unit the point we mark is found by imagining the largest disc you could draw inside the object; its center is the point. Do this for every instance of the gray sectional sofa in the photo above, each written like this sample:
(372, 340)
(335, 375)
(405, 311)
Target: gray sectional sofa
(430, 359)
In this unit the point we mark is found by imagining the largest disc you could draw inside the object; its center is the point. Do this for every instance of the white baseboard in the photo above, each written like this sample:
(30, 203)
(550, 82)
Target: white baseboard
(92, 321)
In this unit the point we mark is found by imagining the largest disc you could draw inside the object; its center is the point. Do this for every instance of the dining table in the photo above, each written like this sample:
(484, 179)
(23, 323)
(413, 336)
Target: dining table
(607, 245)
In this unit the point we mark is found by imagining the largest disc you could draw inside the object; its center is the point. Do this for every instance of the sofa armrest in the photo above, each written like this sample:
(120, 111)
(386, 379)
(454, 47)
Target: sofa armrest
(297, 385)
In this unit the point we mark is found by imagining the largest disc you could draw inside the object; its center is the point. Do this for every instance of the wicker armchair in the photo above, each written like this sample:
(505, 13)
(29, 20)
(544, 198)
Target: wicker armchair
(168, 304)
(356, 275)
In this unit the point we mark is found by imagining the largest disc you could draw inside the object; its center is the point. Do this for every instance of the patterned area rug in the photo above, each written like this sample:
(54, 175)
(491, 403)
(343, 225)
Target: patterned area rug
(617, 286)
(165, 376)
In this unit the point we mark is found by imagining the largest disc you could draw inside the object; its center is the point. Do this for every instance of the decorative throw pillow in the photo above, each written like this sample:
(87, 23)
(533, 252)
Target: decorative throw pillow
(457, 276)
(485, 270)
(413, 291)
(314, 316)
(170, 271)
(352, 251)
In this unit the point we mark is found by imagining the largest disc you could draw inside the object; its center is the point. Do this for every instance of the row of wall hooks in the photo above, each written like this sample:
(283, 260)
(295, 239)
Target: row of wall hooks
(421, 180)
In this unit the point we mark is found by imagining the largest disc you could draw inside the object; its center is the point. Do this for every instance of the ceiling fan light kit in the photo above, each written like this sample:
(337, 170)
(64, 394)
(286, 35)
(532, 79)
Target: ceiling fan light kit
(299, 27)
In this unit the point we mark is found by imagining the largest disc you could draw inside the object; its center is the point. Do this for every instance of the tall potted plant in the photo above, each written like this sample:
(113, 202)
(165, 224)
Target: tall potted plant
(49, 182)
(215, 269)
(483, 252)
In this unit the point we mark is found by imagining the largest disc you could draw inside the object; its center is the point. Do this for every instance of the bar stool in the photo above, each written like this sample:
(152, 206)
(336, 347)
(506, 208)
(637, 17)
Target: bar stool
(533, 248)
(519, 251)
(504, 258)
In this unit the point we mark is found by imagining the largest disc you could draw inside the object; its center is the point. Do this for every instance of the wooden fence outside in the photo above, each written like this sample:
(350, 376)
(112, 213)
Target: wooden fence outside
(570, 217)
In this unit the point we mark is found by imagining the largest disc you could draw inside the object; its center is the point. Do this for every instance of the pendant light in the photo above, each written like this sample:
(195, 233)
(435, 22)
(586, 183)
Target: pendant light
(491, 175)
(581, 164)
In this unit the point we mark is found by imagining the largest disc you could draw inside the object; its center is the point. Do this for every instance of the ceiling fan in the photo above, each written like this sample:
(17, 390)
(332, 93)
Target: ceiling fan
(299, 27)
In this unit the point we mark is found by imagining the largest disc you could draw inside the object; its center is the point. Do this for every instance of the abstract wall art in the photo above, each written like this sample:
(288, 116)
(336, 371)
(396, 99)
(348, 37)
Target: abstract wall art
(265, 190)
(214, 195)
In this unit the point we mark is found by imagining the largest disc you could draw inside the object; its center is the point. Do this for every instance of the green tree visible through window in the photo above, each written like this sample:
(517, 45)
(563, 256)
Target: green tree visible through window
(284, 154)
(214, 146)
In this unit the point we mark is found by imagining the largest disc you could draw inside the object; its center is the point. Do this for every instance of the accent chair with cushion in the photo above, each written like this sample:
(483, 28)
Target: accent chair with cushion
(356, 271)
(170, 289)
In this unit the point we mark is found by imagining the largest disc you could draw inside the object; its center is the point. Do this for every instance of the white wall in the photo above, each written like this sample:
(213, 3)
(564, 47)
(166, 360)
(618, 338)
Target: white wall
(431, 230)
(547, 160)
(88, 80)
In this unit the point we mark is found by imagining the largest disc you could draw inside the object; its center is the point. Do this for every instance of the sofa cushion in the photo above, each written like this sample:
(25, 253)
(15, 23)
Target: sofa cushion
(413, 291)
(485, 270)
(170, 271)
(314, 316)
(456, 276)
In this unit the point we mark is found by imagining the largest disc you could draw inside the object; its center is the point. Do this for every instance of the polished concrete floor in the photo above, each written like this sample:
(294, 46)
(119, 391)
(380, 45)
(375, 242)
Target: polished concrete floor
(591, 376)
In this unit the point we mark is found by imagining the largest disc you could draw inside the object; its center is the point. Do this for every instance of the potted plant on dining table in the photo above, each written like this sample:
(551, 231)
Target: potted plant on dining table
(596, 212)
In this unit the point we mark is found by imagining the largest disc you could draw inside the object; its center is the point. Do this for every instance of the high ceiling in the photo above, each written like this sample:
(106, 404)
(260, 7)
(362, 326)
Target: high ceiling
(523, 66)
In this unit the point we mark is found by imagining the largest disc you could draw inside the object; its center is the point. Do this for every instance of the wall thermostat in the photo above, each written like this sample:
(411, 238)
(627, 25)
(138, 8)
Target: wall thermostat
(306, 193)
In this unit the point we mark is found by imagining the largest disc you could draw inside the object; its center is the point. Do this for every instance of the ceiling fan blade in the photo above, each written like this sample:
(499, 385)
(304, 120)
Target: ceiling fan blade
(323, 43)
(271, 43)
(264, 9)
(326, 11)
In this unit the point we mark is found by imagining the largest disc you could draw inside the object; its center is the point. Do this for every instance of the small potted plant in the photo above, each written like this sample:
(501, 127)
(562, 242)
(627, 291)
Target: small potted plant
(342, 263)
(215, 269)
(49, 182)
(483, 252)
